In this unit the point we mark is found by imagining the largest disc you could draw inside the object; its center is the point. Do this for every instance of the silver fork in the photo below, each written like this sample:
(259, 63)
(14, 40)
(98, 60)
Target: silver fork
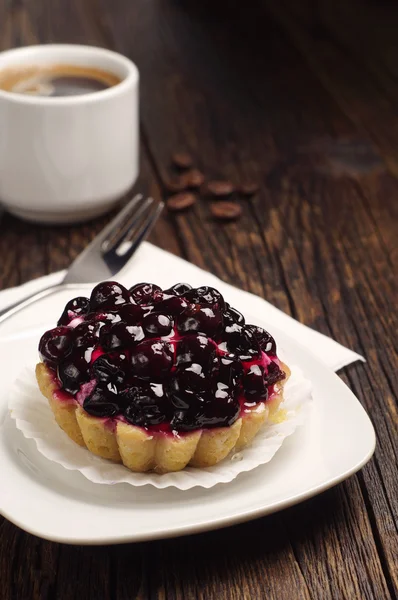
(107, 254)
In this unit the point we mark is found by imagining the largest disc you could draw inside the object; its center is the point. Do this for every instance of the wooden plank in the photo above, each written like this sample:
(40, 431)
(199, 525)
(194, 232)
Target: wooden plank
(84, 572)
(355, 59)
(27, 565)
(325, 565)
(374, 227)
(239, 563)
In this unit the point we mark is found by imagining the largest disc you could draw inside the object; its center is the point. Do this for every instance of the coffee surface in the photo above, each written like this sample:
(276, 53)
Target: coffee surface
(56, 80)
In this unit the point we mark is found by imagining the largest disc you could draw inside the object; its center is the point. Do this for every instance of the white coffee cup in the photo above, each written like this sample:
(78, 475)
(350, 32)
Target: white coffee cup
(68, 158)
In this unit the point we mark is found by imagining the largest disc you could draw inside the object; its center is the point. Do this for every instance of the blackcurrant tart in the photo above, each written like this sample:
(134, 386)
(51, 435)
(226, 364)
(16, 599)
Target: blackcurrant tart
(159, 379)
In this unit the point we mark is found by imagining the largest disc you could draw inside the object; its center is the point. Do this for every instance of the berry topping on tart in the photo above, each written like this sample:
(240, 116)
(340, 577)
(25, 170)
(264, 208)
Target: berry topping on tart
(169, 362)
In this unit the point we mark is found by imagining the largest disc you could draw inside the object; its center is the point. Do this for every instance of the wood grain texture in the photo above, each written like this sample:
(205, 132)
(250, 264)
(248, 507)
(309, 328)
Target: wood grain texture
(301, 98)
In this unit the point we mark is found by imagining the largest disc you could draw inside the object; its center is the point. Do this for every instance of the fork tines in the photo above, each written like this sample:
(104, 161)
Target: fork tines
(129, 228)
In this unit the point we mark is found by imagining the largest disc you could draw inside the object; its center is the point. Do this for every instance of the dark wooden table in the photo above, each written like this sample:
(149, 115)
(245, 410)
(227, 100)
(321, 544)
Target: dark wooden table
(303, 98)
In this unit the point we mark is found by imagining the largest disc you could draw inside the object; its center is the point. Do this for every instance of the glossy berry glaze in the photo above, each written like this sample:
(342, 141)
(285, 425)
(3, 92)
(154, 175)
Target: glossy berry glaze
(169, 360)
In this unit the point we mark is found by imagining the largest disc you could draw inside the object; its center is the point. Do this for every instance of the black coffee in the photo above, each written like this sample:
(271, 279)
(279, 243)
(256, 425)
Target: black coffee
(56, 80)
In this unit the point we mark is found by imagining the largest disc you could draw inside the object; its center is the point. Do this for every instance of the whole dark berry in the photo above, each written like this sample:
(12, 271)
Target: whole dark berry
(120, 335)
(172, 305)
(264, 339)
(186, 384)
(178, 289)
(152, 359)
(221, 412)
(79, 306)
(146, 404)
(196, 348)
(146, 293)
(110, 369)
(200, 319)
(108, 295)
(85, 335)
(55, 344)
(254, 384)
(73, 371)
(231, 316)
(241, 341)
(131, 314)
(101, 403)
(274, 374)
(205, 295)
(157, 325)
(227, 369)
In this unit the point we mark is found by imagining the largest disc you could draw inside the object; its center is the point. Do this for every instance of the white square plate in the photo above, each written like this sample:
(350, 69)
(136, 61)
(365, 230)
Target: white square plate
(46, 500)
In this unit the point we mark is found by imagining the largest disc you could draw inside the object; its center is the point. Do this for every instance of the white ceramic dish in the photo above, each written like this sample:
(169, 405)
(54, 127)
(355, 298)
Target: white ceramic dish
(46, 500)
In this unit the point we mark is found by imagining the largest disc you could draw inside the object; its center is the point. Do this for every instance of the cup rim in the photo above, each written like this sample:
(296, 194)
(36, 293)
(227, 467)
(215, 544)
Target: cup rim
(131, 78)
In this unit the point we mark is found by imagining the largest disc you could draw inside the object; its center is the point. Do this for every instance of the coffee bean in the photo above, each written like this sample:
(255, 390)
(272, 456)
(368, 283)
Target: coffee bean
(193, 178)
(175, 184)
(180, 201)
(249, 188)
(182, 160)
(227, 211)
(220, 188)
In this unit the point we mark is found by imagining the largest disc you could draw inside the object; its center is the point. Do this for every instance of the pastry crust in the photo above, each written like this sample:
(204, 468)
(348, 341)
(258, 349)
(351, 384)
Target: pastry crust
(140, 450)
(64, 412)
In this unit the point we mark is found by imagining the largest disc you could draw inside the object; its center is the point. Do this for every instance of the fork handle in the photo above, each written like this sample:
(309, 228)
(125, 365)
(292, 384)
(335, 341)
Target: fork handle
(31, 299)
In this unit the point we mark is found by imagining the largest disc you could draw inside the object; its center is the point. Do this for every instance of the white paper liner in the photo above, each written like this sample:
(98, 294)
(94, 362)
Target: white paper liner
(33, 416)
